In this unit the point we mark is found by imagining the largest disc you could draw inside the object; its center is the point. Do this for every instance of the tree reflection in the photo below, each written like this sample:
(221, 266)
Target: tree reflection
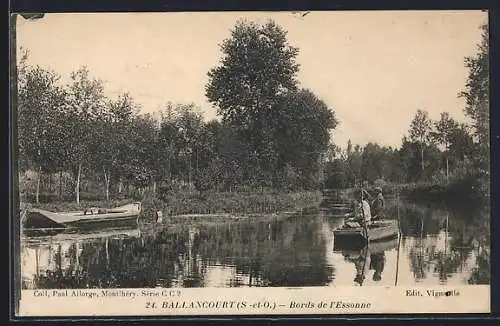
(438, 242)
(441, 240)
(286, 253)
(262, 254)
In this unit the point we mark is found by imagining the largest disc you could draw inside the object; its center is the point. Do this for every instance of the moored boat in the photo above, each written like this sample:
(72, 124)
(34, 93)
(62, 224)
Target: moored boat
(374, 231)
(39, 219)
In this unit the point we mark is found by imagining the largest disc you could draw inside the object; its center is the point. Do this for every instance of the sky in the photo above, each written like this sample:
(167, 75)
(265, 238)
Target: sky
(374, 69)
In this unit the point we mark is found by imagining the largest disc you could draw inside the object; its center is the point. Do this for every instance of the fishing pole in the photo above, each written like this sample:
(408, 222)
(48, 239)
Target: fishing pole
(366, 250)
(363, 223)
(399, 237)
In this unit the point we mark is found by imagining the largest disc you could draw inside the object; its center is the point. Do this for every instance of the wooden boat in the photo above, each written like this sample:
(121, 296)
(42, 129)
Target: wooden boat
(39, 219)
(376, 230)
(373, 247)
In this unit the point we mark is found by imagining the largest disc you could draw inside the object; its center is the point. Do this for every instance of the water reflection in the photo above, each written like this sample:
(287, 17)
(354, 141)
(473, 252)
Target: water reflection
(369, 260)
(436, 247)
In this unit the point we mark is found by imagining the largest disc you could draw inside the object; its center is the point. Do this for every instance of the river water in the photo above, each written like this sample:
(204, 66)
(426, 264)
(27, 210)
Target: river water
(437, 246)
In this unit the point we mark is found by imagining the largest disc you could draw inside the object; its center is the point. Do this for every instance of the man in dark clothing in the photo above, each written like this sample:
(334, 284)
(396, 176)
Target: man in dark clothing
(378, 204)
(377, 262)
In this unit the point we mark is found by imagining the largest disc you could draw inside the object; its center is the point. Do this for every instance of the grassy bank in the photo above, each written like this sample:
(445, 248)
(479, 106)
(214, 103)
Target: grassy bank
(469, 190)
(215, 204)
(232, 203)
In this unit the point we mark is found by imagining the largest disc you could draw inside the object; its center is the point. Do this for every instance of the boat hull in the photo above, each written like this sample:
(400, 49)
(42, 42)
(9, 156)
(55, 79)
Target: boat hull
(380, 230)
(38, 219)
(353, 248)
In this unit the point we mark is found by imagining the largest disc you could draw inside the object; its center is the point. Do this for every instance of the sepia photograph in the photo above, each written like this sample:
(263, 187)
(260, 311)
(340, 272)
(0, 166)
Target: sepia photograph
(323, 162)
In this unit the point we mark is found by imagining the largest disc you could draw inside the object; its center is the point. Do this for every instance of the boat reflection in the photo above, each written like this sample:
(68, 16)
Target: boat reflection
(44, 256)
(367, 258)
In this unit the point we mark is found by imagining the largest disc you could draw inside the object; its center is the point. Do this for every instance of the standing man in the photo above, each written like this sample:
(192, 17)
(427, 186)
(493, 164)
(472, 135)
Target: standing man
(378, 204)
(361, 208)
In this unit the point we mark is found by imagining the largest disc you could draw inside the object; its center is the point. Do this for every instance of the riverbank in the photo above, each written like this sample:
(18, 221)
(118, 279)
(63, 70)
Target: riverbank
(470, 191)
(193, 206)
(229, 205)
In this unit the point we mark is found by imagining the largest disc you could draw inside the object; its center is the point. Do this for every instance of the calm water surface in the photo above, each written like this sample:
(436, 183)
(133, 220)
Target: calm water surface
(437, 246)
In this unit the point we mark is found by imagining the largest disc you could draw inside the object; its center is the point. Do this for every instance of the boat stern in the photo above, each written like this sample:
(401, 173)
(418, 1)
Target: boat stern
(36, 219)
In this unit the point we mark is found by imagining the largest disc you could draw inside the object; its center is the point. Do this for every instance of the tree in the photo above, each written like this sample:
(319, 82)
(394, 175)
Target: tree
(354, 162)
(336, 174)
(117, 149)
(476, 95)
(143, 170)
(408, 158)
(476, 91)
(302, 133)
(189, 122)
(420, 129)
(444, 129)
(180, 142)
(257, 70)
(461, 143)
(256, 91)
(85, 104)
(40, 100)
(258, 65)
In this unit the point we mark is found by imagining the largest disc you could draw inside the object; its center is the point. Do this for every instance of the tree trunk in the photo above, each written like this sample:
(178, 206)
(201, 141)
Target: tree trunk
(39, 175)
(154, 188)
(422, 157)
(120, 186)
(60, 184)
(447, 169)
(189, 172)
(50, 183)
(106, 181)
(77, 188)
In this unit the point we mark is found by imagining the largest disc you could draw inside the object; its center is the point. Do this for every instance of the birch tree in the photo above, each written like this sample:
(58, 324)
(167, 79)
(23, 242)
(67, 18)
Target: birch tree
(85, 104)
(420, 131)
(444, 131)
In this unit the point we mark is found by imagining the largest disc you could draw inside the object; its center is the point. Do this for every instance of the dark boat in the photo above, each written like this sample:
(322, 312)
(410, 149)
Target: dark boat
(374, 247)
(39, 219)
(374, 231)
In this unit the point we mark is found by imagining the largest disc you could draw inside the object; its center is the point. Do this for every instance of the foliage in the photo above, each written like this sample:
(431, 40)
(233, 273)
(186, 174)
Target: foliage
(476, 91)
(272, 134)
(256, 92)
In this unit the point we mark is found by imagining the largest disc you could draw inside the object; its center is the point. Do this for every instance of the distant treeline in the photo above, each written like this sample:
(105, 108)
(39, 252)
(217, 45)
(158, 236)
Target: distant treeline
(271, 134)
(447, 152)
(442, 156)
